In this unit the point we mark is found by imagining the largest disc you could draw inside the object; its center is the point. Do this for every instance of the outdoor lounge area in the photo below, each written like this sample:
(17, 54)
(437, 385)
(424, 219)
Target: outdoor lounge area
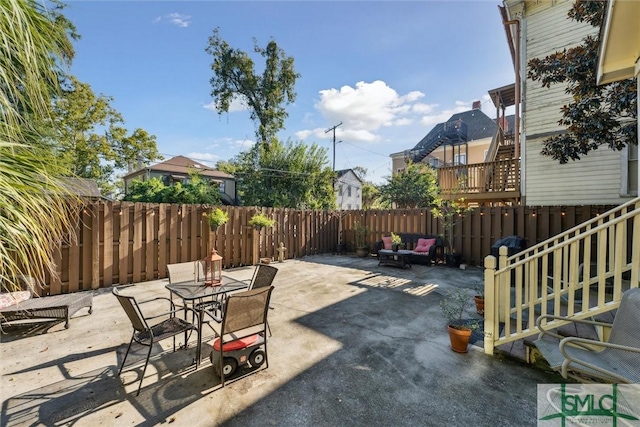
(352, 344)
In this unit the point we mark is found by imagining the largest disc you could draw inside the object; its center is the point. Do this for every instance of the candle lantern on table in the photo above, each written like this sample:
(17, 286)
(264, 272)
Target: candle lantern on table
(213, 269)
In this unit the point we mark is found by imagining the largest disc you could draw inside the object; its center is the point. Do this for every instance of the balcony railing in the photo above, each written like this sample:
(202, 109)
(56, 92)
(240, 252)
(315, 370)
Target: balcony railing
(501, 176)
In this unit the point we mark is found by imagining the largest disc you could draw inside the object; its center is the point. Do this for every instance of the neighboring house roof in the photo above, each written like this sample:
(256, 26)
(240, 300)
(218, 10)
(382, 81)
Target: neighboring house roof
(343, 172)
(182, 165)
(82, 187)
(478, 126)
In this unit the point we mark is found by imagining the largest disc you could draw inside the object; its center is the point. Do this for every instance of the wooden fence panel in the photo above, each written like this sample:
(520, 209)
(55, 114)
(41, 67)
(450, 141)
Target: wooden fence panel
(138, 226)
(122, 242)
(162, 225)
(107, 243)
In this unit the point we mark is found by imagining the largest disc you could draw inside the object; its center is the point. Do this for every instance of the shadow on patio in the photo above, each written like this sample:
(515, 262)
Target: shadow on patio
(353, 344)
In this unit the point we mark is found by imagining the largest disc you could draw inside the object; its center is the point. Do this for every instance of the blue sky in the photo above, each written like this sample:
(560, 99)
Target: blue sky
(388, 70)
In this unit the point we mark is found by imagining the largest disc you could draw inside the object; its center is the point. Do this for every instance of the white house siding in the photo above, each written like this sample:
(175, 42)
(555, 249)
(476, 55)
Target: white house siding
(595, 179)
(343, 200)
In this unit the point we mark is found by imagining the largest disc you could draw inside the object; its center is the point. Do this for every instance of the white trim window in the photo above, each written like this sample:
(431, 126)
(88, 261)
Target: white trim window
(460, 159)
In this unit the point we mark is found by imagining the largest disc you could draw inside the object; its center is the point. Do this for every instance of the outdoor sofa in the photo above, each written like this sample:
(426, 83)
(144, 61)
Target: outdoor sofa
(425, 249)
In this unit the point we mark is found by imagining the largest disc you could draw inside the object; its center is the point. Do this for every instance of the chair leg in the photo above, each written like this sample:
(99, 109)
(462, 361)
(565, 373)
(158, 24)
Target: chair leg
(199, 344)
(269, 329)
(125, 357)
(146, 362)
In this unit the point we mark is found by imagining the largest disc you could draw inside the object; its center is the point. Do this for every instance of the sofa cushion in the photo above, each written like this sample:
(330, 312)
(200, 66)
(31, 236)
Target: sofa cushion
(11, 298)
(386, 240)
(424, 245)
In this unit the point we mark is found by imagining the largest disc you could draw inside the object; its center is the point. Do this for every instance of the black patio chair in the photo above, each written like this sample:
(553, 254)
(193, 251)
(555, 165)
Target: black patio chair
(244, 315)
(263, 277)
(146, 334)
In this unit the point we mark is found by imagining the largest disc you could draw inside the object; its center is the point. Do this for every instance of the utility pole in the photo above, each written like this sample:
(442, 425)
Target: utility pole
(334, 143)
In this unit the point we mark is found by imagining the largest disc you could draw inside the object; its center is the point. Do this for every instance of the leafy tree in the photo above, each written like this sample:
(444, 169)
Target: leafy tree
(87, 135)
(370, 192)
(235, 78)
(370, 196)
(415, 187)
(597, 115)
(197, 191)
(34, 205)
(149, 191)
(291, 175)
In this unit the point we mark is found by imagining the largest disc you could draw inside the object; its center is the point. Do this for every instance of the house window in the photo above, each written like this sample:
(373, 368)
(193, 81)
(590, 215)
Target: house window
(349, 206)
(399, 170)
(460, 159)
(348, 191)
(221, 187)
(434, 162)
(340, 190)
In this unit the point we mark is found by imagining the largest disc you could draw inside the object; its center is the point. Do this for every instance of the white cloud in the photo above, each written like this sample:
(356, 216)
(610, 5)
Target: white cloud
(238, 103)
(364, 109)
(303, 134)
(403, 121)
(208, 159)
(177, 19)
(421, 108)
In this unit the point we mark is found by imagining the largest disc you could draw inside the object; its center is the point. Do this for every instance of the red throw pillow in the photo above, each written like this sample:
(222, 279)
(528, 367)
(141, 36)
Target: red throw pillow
(387, 242)
(424, 245)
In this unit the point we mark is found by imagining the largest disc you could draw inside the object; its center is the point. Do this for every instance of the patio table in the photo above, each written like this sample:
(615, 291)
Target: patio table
(399, 258)
(193, 293)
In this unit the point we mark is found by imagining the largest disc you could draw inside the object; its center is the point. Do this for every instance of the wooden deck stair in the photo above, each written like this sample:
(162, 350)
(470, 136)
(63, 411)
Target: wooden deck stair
(550, 277)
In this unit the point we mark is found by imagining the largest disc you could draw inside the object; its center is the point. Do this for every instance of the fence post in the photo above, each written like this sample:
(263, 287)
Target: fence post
(490, 304)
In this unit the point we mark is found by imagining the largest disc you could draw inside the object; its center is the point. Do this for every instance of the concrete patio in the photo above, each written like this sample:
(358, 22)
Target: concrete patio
(354, 344)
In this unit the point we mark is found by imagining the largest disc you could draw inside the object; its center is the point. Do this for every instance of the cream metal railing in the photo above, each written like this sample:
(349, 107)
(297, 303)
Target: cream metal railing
(579, 273)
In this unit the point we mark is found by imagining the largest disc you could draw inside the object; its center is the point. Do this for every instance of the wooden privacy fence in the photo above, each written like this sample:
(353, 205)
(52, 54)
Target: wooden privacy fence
(123, 242)
(476, 231)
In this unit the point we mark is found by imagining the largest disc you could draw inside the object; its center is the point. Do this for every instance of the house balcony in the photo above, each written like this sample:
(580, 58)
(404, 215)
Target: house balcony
(489, 182)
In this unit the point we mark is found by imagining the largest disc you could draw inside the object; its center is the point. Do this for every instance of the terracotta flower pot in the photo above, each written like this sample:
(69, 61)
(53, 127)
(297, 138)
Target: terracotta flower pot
(479, 304)
(459, 339)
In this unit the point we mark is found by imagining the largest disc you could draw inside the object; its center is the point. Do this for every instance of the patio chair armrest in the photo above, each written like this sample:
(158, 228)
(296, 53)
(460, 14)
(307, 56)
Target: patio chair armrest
(581, 342)
(171, 313)
(544, 331)
(577, 340)
(156, 299)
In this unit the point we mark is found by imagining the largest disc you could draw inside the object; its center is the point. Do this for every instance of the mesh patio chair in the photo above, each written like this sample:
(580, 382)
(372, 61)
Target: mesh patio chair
(244, 316)
(146, 334)
(192, 271)
(617, 360)
(263, 277)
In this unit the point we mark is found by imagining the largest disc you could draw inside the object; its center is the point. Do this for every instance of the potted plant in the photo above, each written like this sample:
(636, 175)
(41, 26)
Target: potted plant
(454, 306)
(362, 249)
(396, 242)
(478, 298)
(217, 217)
(260, 220)
(449, 210)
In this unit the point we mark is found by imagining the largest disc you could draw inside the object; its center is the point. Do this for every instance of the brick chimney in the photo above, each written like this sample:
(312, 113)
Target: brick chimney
(477, 105)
